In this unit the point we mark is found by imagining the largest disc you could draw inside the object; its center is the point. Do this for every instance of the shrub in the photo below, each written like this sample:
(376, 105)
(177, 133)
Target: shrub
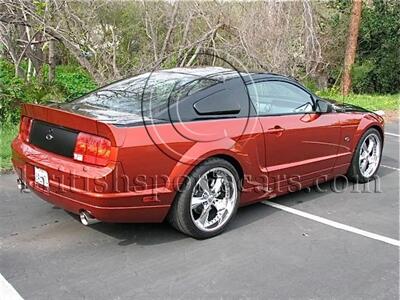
(378, 64)
(71, 82)
(74, 81)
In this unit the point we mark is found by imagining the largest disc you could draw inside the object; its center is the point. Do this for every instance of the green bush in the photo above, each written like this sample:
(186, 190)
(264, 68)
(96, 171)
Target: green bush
(70, 82)
(310, 84)
(378, 65)
(7, 134)
(74, 81)
(361, 77)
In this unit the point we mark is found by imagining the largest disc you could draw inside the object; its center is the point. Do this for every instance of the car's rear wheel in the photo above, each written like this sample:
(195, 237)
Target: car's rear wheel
(367, 157)
(208, 199)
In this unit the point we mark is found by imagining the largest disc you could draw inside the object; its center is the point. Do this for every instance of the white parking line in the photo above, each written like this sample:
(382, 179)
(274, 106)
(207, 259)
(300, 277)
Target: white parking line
(7, 291)
(389, 167)
(334, 224)
(392, 134)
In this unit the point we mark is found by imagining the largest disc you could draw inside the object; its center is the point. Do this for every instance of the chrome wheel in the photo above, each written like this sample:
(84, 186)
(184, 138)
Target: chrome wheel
(370, 154)
(213, 199)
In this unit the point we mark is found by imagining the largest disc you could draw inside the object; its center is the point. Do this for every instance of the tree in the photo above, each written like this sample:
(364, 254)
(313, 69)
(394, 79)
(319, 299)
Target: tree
(377, 67)
(351, 47)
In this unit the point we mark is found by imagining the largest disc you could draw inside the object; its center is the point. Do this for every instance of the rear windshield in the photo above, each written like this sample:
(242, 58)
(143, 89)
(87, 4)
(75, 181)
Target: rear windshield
(148, 94)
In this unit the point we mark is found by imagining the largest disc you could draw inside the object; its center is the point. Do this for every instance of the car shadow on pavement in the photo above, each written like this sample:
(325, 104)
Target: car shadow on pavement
(340, 185)
(162, 233)
(388, 161)
(137, 233)
(250, 214)
(383, 172)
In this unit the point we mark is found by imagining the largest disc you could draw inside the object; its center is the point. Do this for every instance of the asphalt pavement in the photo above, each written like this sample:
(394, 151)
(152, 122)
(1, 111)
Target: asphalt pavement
(267, 252)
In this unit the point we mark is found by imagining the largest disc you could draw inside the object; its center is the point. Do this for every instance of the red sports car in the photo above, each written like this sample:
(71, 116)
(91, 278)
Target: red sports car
(190, 146)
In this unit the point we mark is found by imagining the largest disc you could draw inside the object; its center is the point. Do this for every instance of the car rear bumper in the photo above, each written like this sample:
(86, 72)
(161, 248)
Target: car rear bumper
(125, 214)
(148, 205)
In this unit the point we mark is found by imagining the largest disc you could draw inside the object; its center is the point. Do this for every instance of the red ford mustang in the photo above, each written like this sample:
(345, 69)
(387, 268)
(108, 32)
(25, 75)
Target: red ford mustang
(190, 145)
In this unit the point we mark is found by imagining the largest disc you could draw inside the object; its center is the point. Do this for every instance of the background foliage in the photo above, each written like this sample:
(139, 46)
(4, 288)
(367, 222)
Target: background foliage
(110, 39)
(55, 50)
(377, 69)
(71, 82)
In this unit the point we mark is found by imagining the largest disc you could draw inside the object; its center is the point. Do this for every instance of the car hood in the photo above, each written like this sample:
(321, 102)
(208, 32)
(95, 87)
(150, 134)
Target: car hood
(345, 107)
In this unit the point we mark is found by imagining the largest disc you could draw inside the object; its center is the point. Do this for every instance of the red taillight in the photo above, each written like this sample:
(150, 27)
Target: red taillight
(92, 149)
(25, 129)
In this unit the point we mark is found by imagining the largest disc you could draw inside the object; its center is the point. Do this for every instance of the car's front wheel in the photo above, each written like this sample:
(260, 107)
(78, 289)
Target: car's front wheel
(208, 199)
(367, 157)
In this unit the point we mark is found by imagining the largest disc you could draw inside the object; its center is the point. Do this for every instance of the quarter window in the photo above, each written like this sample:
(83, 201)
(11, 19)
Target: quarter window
(277, 98)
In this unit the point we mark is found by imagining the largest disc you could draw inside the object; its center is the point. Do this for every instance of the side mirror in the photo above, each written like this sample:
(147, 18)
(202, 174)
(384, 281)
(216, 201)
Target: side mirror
(324, 106)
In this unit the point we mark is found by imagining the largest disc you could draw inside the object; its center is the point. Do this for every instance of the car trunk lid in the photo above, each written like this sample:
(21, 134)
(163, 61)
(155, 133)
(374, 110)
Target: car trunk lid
(53, 138)
(56, 130)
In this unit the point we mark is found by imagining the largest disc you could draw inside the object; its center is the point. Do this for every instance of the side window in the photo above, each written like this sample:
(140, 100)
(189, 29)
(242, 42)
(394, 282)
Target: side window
(278, 97)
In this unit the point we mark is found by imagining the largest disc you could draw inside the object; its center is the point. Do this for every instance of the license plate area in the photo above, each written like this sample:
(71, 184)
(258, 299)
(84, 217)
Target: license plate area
(41, 178)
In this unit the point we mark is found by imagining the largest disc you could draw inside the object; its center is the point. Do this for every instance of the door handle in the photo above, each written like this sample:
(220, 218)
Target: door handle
(276, 130)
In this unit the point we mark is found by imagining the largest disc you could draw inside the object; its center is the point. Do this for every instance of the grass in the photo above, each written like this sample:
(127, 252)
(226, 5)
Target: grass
(7, 134)
(371, 102)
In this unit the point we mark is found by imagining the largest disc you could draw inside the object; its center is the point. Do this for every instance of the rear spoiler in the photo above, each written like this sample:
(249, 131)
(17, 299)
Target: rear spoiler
(74, 121)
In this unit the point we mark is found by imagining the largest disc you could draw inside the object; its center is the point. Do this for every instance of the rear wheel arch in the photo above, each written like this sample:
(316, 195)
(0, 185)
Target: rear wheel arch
(233, 161)
(177, 185)
(183, 169)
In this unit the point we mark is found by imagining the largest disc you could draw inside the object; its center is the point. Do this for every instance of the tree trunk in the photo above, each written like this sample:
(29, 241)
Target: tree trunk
(52, 60)
(169, 32)
(29, 70)
(76, 52)
(351, 47)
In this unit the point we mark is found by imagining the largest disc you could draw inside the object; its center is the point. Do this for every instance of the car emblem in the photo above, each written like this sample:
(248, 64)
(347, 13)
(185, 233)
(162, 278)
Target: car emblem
(49, 137)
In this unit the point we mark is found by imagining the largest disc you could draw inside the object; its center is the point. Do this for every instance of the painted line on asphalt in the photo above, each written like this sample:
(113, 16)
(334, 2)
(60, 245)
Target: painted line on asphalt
(392, 134)
(389, 167)
(334, 224)
(7, 291)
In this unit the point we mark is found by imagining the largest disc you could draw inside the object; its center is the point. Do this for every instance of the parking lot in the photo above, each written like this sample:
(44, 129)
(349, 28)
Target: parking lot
(345, 247)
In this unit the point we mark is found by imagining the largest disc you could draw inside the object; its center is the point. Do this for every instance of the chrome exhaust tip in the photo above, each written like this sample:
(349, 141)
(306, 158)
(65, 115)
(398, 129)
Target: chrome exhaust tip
(23, 188)
(86, 218)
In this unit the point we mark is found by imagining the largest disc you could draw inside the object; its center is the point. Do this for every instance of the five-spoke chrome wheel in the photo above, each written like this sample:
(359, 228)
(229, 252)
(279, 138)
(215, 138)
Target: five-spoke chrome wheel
(370, 154)
(213, 199)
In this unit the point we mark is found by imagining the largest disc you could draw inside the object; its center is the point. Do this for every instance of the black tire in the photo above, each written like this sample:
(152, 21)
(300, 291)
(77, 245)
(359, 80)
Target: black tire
(180, 213)
(354, 173)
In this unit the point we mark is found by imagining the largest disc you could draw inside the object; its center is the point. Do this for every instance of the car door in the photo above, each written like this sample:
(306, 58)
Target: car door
(301, 145)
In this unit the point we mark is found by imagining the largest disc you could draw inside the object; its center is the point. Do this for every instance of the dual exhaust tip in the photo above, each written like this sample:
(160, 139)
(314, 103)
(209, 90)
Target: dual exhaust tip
(22, 187)
(85, 217)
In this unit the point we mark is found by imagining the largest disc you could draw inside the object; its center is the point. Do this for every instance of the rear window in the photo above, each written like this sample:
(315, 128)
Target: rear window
(149, 92)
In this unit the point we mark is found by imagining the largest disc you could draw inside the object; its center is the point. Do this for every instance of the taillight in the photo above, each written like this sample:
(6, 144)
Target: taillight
(25, 129)
(92, 149)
